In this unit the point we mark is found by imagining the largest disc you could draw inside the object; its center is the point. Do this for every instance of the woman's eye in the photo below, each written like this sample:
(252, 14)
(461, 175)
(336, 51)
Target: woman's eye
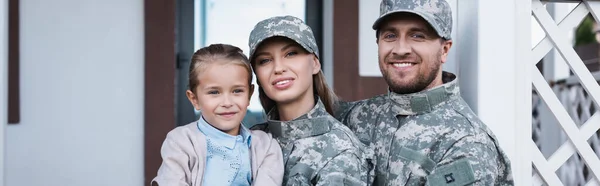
(263, 61)
(292, 53)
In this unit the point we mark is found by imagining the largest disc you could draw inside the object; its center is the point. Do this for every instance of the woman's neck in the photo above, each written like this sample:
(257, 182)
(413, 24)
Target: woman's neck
(295, 109)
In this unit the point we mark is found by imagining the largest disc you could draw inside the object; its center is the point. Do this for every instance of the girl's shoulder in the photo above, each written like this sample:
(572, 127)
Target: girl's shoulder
(260, 126)
(261, 136)
(183, 134)
(190, 128)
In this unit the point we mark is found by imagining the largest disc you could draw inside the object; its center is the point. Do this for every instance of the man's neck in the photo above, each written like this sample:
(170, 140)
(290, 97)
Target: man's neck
(435, 83)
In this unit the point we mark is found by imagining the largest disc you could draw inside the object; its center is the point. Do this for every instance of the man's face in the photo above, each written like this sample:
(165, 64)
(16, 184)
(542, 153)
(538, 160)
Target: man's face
(410, 53)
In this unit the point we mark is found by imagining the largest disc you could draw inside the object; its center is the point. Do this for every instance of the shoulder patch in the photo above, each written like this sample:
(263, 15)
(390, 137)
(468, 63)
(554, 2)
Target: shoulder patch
(457, 173)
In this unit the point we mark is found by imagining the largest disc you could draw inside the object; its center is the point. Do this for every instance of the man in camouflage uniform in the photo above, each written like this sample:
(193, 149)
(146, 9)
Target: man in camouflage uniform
(317, 149)
(422, 131)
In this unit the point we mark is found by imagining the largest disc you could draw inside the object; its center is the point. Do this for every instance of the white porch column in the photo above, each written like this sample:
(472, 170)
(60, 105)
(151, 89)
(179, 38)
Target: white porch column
(3, 80)
(494, 47)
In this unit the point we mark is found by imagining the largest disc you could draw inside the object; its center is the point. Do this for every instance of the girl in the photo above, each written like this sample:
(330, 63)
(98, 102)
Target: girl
(317, 149)
(217, 149)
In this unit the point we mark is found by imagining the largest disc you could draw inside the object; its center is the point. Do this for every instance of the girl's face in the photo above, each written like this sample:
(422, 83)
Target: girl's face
(222, 95)
(285, 70)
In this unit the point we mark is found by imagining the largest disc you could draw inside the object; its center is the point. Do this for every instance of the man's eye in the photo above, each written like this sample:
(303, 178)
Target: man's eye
(418, 35)
(389, 36)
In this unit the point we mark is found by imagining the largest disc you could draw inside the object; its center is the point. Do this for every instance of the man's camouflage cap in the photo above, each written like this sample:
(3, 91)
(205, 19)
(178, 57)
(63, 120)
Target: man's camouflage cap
(285, 26)
(436, 12)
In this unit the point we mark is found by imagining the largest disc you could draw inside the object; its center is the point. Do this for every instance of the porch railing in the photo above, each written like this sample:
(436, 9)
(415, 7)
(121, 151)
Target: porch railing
(573, 103)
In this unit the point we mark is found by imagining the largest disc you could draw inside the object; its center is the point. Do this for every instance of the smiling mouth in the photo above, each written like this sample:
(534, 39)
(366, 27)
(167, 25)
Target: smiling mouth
(282, 82)
(227, 114)
(402, 65)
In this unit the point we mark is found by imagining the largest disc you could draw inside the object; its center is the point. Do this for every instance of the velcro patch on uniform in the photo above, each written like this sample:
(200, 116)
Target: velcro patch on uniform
(458, 173)
(301, 169)
(412, 155)
(419, 104)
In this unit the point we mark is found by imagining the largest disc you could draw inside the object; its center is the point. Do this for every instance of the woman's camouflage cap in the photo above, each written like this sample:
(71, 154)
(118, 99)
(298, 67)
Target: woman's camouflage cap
(285, 26)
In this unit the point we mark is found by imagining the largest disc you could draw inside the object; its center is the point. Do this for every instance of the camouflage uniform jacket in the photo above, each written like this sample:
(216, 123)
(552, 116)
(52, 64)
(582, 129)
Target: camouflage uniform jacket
(427, 138)
(320, 150)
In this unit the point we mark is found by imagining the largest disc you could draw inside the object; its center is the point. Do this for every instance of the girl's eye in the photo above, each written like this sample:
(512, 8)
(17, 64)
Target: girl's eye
(213, 92)
(238, 91)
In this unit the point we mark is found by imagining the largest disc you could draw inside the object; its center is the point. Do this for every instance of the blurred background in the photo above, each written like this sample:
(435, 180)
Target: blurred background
(91, 88)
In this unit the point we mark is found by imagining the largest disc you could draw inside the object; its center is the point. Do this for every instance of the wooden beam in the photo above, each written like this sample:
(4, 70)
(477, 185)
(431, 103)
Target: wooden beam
(159, 80)
(14, 109)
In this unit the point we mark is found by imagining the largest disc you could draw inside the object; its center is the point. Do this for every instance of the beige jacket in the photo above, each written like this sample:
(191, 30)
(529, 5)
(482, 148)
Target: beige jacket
(184, 157)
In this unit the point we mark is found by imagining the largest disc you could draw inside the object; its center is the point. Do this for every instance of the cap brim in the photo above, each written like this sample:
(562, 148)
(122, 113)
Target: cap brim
(289, 36)
(428, 19)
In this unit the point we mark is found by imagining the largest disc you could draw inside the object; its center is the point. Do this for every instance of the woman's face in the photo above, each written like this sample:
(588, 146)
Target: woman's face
(285, 70)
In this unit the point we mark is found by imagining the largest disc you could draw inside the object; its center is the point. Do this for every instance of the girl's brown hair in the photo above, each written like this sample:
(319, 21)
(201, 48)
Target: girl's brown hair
(216, 53)
(320, 88)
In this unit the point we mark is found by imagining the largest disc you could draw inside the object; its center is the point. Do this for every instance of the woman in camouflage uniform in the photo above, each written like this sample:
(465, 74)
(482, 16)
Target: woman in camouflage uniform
(317, 148)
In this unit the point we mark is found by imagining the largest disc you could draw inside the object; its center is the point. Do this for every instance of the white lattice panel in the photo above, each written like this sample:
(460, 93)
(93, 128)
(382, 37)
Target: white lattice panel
(573, 106)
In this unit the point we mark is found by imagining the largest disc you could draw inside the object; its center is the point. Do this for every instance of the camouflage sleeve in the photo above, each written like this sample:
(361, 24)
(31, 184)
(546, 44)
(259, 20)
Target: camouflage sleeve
(342, 109)
(471, 160)
(343, 170)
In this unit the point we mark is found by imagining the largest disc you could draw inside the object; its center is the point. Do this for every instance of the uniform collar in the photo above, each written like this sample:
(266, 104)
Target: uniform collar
(221, 137)
(428, 100)
(310, 124)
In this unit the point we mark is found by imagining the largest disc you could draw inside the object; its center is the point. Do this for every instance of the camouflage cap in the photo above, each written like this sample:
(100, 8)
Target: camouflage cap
(285, 26)
(436, 12)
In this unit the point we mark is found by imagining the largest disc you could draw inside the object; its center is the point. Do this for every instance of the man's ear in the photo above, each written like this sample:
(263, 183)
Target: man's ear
(377, 37)
(193, 99)
(446, 45)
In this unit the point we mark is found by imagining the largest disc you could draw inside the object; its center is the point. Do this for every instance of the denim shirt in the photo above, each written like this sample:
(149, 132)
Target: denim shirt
(227, 157)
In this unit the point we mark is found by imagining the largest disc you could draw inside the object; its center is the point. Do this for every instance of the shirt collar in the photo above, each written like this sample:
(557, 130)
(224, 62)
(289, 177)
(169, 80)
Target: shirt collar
(310, 124)
(427, 100)
(223, 138)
